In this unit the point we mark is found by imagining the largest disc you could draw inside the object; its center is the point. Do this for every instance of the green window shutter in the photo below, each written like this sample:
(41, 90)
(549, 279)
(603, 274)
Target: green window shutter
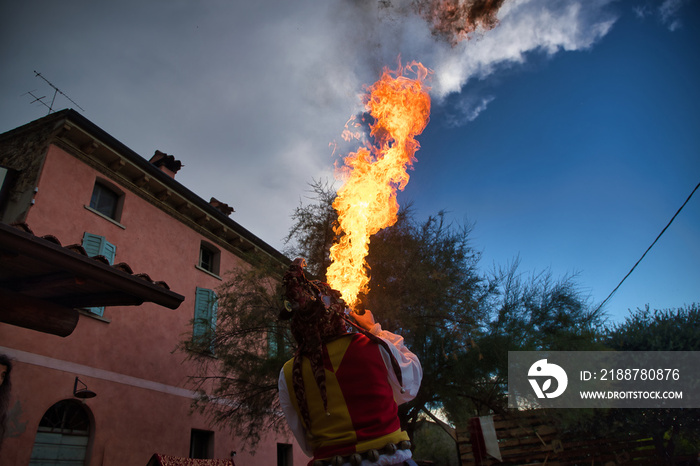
(92, 244)
(205, 308)
(96, 245)
(277, 341)
(109, 251)
(272, 345)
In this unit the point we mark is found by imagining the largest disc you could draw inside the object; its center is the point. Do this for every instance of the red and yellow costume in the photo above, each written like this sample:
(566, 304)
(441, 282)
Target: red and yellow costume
(363, 396)
(340, 393)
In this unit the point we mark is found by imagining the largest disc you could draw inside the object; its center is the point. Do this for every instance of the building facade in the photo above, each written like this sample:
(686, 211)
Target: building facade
(63, 176)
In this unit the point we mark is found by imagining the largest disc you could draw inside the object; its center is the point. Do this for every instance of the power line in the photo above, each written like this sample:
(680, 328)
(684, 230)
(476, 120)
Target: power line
(648, 249)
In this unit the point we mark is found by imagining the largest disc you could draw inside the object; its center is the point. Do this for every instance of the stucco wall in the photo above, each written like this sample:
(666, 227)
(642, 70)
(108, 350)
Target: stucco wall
(130, 359)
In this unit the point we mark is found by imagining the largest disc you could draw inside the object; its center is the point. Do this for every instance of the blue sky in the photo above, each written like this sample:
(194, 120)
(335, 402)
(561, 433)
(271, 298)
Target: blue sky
(578, 163)
(568, 134)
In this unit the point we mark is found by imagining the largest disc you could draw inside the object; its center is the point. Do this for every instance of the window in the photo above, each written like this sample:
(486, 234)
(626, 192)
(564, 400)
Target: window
(277, 337)
(201, 444)
(209, 257)
(284, 454)
(204, 318)
(96, 245)
(63, 435)
(107, 200)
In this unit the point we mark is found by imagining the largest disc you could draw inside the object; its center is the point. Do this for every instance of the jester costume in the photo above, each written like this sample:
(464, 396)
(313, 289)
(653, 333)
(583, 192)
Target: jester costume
(340, 393)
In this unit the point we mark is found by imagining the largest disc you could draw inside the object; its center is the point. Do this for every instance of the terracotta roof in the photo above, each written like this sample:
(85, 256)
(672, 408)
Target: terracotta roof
(40, 276)
(166, 460)
(78, 248)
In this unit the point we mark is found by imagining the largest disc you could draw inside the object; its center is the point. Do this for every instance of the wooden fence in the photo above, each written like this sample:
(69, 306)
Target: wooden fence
(529, 439)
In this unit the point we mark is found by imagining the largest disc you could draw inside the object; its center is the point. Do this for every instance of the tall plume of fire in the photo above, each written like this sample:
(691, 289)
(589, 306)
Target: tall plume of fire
(366, 203)
(400, 107)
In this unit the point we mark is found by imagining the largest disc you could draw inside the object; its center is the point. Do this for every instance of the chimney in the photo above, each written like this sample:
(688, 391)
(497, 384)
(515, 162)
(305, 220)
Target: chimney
(221, 207)
(166, 163)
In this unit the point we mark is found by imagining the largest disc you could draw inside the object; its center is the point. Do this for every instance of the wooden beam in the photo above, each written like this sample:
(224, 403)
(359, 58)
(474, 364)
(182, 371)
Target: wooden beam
(164, 195)
(142, 181)
(29, 285)
(202, 220)
(117, 164)
(35, 314)
(89, 147)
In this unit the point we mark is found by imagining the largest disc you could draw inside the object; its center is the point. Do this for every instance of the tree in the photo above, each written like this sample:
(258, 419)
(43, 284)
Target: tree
(238, 363)
(674, 431)
(433, 443)
(658, 330)
(425, 285)
(312, 234)
(523, 313)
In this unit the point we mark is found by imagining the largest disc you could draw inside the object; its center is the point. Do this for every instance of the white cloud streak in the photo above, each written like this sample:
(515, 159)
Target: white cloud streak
(468, 108)
(526, 26)
(249, 95)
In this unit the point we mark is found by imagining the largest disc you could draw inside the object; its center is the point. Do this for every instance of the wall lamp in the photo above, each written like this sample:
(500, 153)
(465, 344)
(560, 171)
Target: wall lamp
(84, 392)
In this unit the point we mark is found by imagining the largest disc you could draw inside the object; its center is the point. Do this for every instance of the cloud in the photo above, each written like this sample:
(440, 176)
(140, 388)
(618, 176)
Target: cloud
(249, 95)
(669, 13)
(382, 30)
(467, 108)
(525, 27)
(309, 68)
(642, 11)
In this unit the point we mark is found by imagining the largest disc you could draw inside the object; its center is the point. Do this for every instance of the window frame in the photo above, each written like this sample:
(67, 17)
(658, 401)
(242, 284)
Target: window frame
(54, 439)
(215, 253)
(201, 444)
(108, 186)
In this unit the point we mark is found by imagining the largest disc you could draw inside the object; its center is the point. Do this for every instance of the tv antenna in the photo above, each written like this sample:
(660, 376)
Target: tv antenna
(55, 92)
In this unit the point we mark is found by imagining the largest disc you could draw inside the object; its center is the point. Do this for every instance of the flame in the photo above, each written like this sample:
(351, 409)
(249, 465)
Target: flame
(366, 203)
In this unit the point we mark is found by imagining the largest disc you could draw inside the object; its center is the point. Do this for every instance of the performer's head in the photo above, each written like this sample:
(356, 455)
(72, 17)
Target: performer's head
(317, 314)
(316, 310)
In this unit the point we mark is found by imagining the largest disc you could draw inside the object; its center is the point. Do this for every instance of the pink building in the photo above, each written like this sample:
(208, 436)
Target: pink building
(65, 177)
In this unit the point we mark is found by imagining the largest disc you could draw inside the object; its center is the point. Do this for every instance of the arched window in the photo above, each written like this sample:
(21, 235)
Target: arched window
(63, 435)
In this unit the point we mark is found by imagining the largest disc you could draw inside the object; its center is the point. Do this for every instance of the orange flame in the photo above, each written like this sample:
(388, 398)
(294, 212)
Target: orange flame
(366, 203)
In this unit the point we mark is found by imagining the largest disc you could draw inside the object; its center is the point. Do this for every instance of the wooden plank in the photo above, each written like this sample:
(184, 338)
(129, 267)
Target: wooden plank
(527, 439)
(43, 316)
(515, 442)
(540, 431)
